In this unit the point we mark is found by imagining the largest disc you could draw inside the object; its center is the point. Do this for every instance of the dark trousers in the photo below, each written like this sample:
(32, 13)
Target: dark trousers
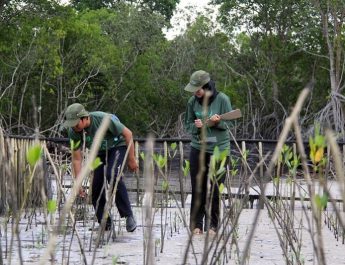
(199, 197)
(112, 160)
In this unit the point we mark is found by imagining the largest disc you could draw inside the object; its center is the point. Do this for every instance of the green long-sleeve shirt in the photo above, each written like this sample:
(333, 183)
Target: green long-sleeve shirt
(217, 135)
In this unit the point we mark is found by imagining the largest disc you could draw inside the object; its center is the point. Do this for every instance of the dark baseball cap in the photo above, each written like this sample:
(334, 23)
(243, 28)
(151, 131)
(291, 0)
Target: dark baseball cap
(73, 114)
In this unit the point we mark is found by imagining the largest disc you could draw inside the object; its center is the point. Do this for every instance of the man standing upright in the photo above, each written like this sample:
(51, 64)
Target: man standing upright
(217, 135)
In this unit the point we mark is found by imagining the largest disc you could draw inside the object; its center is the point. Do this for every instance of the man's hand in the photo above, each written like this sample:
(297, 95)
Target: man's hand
(132, 165)
(198, 123)
(213, 120)
(131, 162)
(82, 192)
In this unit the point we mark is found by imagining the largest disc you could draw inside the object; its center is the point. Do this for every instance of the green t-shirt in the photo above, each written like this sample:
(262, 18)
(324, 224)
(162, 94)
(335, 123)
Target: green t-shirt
(216, 135)
(112, 138)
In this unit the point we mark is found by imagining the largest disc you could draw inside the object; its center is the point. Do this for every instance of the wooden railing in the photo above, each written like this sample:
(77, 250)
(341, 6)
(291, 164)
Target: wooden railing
(15, 171)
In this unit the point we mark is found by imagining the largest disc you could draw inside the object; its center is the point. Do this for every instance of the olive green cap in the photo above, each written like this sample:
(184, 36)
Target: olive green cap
(197, 80)
(73, 114)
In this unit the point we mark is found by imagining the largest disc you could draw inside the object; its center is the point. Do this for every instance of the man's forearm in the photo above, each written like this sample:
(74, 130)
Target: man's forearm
(131, 153)
(76, 163)
(76, 168)
(129, 142)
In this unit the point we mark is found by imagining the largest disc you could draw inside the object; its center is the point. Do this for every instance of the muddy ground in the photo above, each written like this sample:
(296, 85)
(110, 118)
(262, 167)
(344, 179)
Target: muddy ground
(121, 247)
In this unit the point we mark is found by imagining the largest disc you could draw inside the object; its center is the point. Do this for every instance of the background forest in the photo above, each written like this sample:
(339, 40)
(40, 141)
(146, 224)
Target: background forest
(112, 55)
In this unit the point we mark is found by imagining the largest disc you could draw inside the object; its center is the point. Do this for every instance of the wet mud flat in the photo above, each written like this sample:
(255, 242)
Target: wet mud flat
(171, 240)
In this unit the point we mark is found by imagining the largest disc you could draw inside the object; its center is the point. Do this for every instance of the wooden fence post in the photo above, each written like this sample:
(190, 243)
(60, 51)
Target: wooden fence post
(166, 157)
(136, 146)
(343, 167)
(245, 170)
(260, 159)
(180, 174)
(3, 193)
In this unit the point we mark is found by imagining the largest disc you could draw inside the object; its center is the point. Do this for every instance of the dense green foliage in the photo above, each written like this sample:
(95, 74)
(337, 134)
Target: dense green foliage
(113, 56)
(284, 44)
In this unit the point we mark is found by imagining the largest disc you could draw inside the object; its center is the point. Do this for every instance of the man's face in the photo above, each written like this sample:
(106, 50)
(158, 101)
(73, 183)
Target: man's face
(80, 125)
(199, 93)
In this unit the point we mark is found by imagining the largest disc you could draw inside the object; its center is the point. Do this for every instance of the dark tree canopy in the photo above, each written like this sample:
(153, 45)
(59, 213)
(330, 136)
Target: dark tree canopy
(113, 56)
(163, 7)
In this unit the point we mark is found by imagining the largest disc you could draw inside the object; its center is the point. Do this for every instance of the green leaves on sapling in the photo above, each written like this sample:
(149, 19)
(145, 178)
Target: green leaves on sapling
(51, 206)
(74, 145)
(186, 168)
(217, 163)
(173, 147)
(33, 154)
(321, 201)
(96, 163)
(160, 160)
